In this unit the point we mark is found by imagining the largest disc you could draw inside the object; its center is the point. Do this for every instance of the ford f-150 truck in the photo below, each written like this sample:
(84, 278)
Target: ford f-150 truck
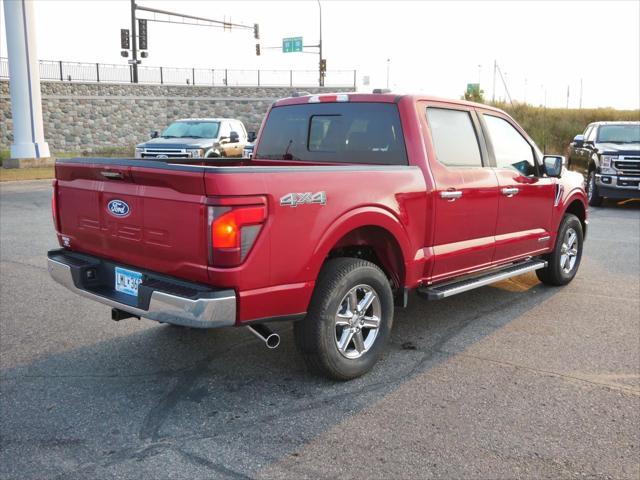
(608, 153)
(349, 202)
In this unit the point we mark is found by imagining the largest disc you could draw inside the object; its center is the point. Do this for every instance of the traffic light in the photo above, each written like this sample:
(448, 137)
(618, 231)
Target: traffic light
(257, 49)
(256, 31)
(142, 34)
(124, 39)
(323, 66)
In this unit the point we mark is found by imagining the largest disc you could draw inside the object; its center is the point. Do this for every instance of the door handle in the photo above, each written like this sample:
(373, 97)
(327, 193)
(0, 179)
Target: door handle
(451, 195)
(510, 191)
(112, 175)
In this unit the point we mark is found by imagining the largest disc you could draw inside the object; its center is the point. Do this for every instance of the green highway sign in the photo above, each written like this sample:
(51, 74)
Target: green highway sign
(473, 87)
(293, 44)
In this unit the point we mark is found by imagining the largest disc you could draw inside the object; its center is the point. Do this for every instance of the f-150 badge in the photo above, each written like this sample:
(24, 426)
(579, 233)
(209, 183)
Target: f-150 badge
(306, 198)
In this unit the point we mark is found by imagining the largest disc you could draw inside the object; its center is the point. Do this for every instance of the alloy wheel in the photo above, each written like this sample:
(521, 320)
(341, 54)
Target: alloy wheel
(357, 321)
(569, 251)
(591, 186)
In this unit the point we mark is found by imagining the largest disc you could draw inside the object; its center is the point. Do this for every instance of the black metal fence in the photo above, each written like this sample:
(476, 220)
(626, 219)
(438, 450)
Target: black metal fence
(111, 73)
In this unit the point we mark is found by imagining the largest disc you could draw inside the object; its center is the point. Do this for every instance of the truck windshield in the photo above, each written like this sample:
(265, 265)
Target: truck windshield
(619, 133)
(339, 132)
(192, 129)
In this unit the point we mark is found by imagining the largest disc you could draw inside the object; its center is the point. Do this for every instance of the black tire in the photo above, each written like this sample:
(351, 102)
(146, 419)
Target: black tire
(317, 335)
(595, 200)
(555, 273)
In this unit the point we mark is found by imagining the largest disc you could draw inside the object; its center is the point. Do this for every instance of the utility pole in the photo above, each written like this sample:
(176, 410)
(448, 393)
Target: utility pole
(388, 62)
(581, 94)
(567, 96)
(544, 121)
(320, 69)
(479, 75)
(495, 67)
(134, 43)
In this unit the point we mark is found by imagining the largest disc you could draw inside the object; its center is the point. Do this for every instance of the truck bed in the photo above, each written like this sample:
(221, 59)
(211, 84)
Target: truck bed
(167, 227)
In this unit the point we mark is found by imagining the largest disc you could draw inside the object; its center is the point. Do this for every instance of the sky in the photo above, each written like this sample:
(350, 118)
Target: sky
(543, 48)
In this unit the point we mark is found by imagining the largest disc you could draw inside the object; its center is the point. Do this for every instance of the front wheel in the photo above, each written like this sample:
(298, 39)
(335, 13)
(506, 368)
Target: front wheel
(595, 200)
(564, 261)
(349, 319)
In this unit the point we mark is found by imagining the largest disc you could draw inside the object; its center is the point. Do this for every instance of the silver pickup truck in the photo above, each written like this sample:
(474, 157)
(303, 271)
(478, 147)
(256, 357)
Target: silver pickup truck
(196, 138)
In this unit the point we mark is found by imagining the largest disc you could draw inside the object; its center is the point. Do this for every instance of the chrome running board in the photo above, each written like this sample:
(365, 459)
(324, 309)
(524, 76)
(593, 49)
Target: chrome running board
(436, 292)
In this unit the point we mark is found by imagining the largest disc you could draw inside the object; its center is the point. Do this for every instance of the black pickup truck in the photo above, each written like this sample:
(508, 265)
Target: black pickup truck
(608, 153)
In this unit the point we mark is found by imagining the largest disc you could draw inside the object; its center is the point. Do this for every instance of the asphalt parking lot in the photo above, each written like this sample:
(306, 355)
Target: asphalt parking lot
(512, 380)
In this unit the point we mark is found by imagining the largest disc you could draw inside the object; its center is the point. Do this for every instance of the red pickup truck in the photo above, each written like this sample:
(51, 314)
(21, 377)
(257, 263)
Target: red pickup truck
(349, 202)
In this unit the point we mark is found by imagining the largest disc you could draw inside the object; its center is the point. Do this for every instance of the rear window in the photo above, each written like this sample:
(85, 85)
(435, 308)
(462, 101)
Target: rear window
(334, 132)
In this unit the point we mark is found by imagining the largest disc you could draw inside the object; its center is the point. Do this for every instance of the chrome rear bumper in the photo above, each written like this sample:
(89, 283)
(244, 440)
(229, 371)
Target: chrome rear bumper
(203, 308)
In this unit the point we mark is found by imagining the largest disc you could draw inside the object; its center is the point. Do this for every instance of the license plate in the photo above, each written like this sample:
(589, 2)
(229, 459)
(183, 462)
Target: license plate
(127, 281)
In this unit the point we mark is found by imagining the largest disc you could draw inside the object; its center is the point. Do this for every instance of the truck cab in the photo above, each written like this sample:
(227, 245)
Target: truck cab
(196, 138)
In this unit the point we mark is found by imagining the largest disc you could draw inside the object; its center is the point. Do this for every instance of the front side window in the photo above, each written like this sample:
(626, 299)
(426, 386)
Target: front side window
(239, 129)
(509, 146)
(454, 137)
(587, 132)
(192, 129)
(225, 130)
(337, 132)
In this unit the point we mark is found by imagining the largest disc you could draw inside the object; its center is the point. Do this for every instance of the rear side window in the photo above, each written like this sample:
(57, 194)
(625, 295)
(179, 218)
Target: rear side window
(355, 132)
(454, 137)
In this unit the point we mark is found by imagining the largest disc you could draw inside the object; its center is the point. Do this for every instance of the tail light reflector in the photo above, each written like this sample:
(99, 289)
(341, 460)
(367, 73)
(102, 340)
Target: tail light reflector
(54, 205)
(233, 232)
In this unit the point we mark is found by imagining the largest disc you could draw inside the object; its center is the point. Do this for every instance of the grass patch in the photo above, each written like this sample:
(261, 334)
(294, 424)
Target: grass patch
(554, 128)
(37, 173)
(4, 155)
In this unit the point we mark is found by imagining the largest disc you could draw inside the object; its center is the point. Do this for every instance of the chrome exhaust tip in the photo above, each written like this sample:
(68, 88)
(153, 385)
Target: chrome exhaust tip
(264, 333)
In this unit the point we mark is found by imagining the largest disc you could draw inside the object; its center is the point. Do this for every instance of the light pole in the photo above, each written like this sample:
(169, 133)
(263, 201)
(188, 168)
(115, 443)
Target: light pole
(134, 44)
(320, 69)
(388, 63)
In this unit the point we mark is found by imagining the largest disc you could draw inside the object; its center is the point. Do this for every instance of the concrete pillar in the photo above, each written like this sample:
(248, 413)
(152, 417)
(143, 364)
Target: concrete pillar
(24, 85)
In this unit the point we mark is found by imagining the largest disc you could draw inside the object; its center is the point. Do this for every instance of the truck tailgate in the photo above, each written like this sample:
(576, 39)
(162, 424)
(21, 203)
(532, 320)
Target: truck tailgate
(135, 213)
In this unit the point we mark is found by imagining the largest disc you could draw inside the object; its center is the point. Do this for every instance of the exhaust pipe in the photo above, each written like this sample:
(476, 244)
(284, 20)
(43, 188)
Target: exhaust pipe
(117, 315)
(264, 333)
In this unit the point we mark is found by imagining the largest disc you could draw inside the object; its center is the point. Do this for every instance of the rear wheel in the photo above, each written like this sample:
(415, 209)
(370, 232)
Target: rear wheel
(595, 200)
(564, 261)
(349, 319)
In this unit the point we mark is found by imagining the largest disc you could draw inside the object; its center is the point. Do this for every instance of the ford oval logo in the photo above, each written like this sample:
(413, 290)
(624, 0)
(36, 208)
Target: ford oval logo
(119, 208)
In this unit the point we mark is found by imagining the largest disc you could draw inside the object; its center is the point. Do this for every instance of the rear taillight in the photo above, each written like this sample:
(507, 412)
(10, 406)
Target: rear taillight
(233, 232)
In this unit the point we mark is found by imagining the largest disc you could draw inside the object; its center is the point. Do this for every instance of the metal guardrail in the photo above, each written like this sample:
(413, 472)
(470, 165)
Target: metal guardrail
(111, 73)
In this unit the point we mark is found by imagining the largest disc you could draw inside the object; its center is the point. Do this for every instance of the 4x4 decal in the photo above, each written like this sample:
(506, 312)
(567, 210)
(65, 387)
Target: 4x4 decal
(306, 198)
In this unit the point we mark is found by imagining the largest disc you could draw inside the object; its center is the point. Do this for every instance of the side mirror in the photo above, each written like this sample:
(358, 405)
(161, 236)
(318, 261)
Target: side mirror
(251, 137)
(578, 141)
(553, 165)
(154, 134)
(234, 137)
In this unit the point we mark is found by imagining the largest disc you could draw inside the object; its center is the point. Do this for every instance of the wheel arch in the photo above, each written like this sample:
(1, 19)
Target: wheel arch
(211, 152)
(372, 234)
(576, 206)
